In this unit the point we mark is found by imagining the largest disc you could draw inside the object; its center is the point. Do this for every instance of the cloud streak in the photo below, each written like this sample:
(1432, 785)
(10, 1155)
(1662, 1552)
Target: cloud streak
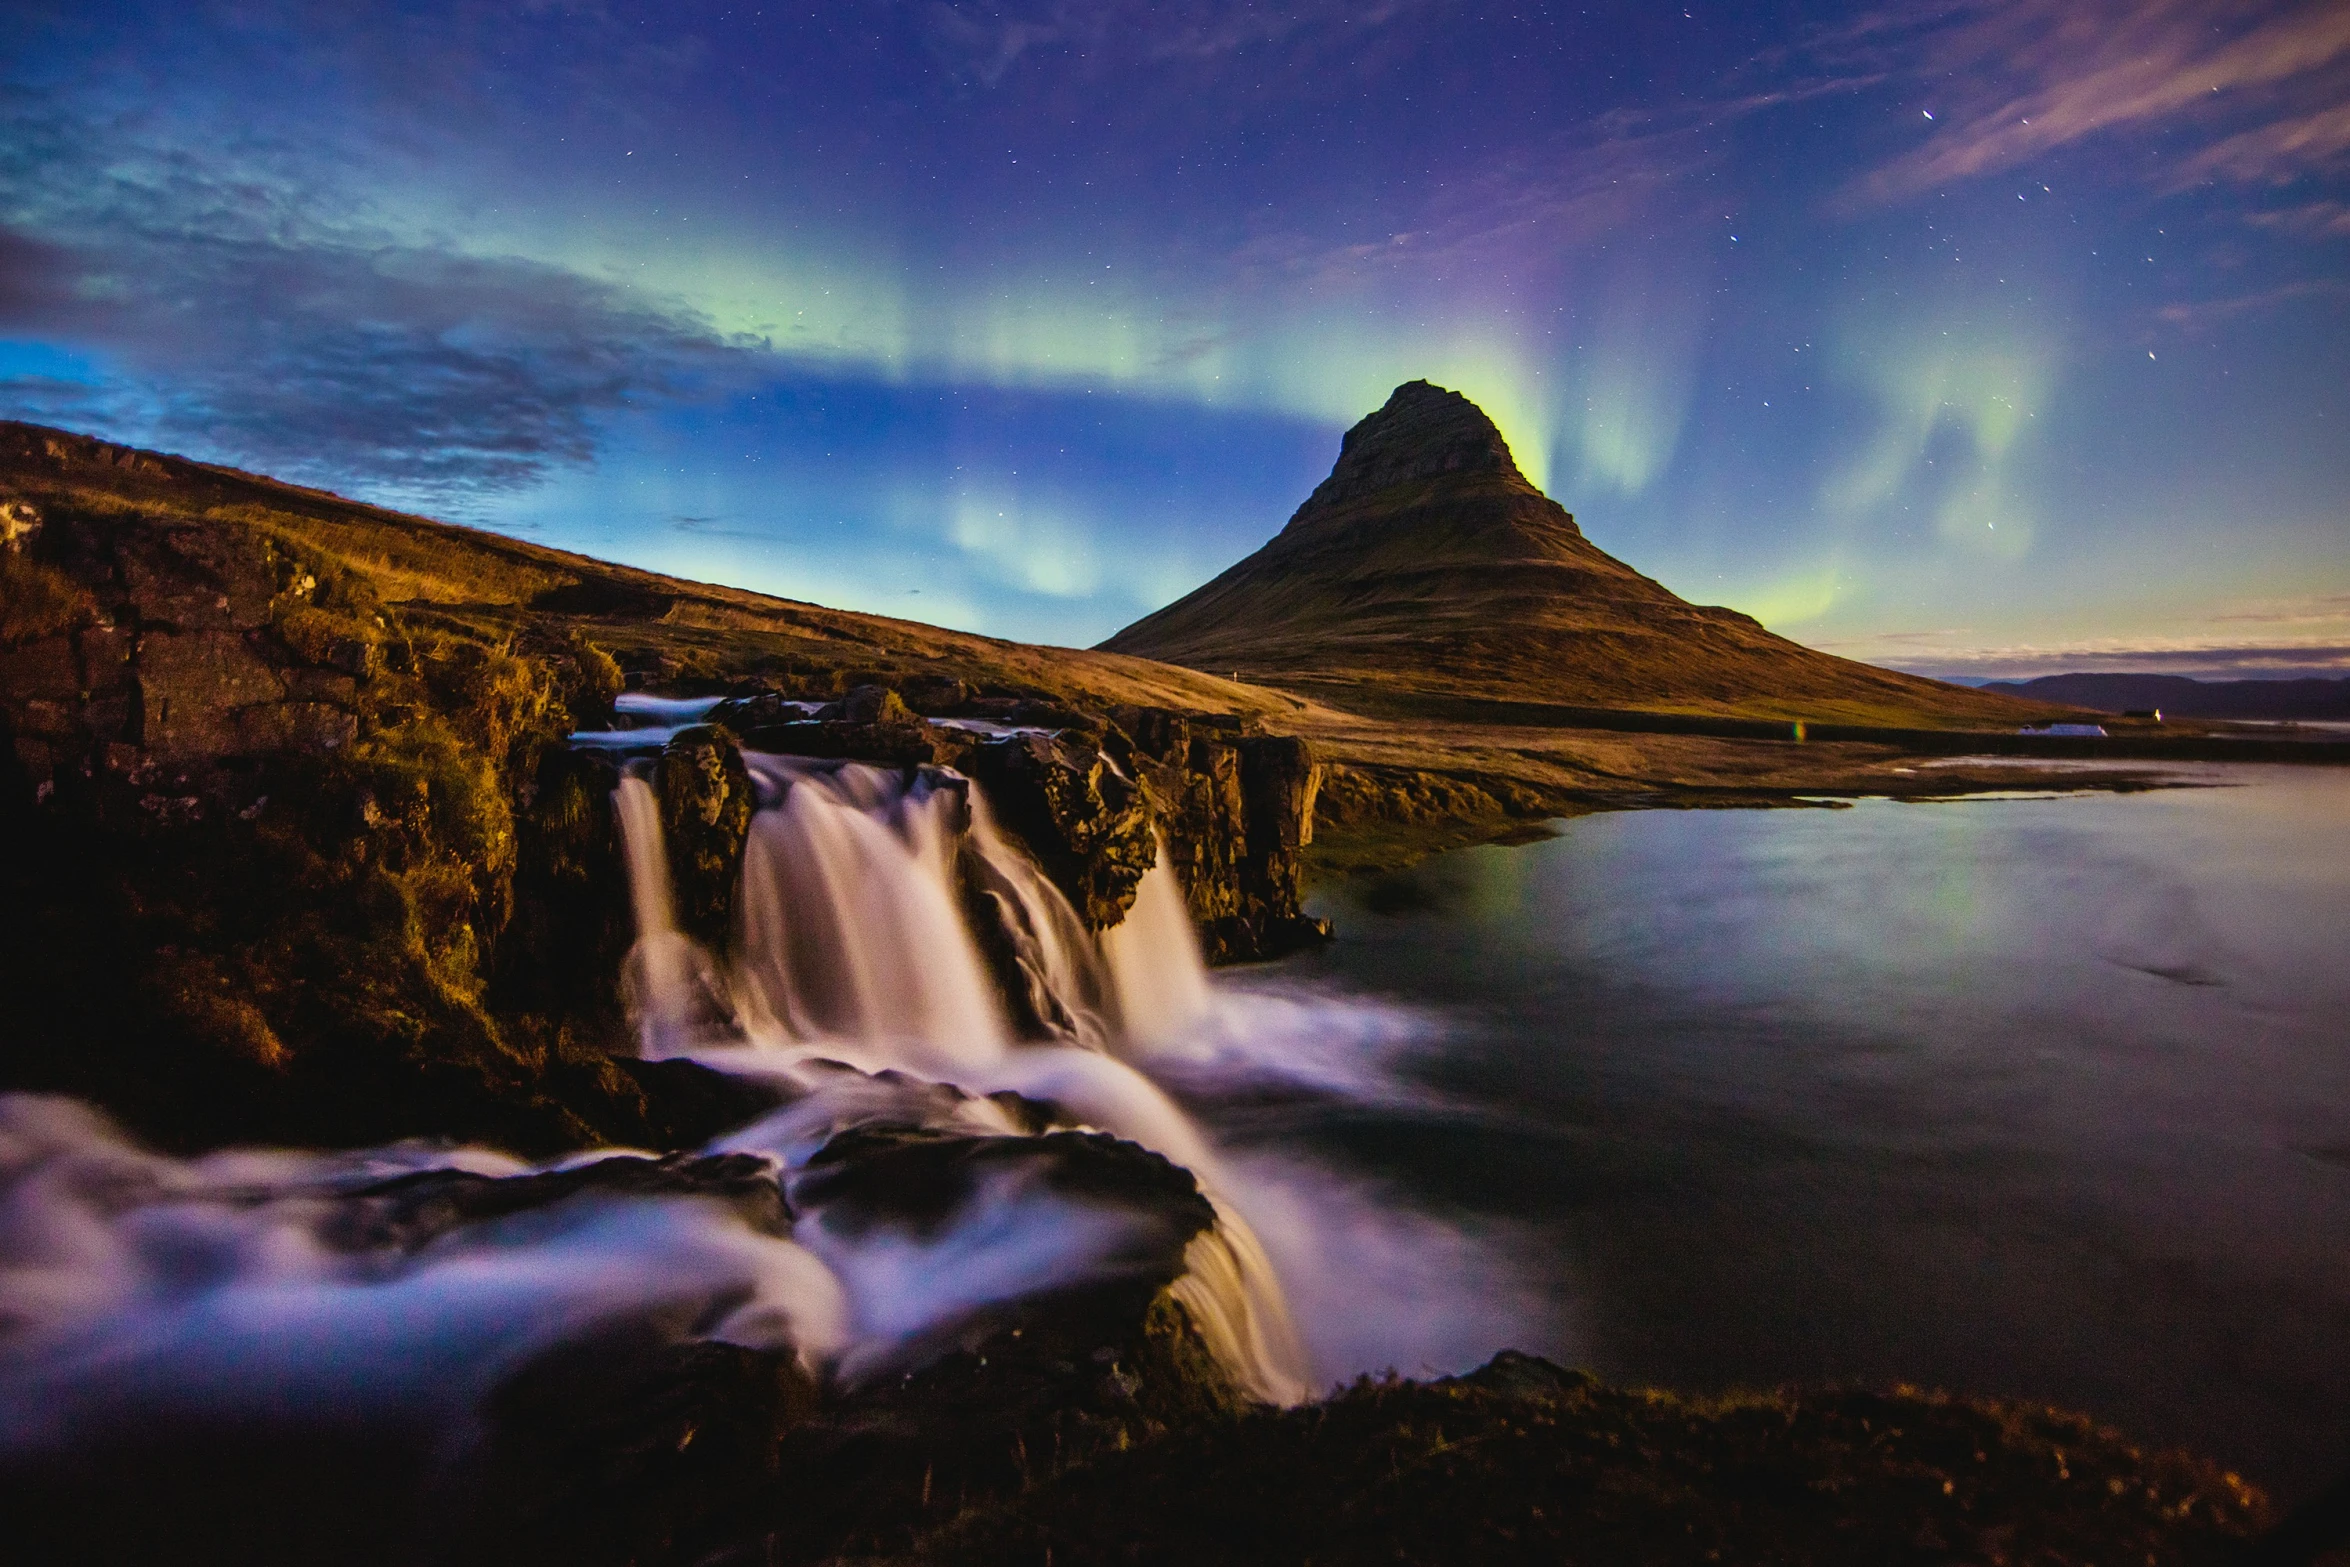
(2058, 72)
(2217, 660)
(985, 44)
(245, 315)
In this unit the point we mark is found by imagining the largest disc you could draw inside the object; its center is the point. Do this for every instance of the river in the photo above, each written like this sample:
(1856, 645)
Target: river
(2039, 1096)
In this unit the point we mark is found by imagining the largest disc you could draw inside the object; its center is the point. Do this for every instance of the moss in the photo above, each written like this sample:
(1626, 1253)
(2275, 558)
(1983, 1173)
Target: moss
(706, 807)
(38, 600)
(1525, 1462)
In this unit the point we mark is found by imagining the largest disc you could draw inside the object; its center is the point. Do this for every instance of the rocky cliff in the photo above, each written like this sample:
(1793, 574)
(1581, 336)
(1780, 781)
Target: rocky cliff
(295, 848)
(1092, 796)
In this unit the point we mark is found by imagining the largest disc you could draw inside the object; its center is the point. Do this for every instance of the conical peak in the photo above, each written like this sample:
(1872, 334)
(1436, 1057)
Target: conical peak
(1422, 432)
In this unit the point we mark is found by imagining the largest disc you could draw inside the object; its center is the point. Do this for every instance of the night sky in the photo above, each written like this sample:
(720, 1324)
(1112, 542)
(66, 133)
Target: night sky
(1982, 339)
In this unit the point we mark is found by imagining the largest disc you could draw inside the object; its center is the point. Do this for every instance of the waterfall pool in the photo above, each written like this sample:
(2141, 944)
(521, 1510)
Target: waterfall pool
(2040, 1096)
(2046, 1097)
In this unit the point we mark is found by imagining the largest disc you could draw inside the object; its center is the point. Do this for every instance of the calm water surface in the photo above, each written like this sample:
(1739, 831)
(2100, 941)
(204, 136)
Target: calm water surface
(2040, 1097)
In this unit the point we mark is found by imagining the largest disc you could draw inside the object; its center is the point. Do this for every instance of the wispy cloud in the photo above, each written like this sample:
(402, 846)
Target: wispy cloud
(2199, 316)
(2276, 152)
(2311, 220)
(2214, 660)
(2017, 79)
(985, 43)
(244, 313)
(2312, 609)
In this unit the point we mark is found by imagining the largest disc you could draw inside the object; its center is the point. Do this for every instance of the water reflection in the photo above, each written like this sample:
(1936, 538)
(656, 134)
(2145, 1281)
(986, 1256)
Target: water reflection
(2044, 1097)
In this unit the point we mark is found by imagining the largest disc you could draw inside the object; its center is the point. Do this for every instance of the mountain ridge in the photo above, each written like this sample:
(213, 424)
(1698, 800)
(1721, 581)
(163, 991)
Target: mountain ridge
(1426, 563)
(2182, 696)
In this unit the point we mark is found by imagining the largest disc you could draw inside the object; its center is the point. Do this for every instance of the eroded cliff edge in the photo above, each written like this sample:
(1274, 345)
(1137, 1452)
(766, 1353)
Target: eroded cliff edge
(297, 851)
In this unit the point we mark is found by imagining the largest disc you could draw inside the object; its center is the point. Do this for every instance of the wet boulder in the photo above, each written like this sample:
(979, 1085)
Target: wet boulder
(919, 1180)
(1088, 825)
(633, 1446)
(706, 806)
(871, 724)
(935, 695)
(1237, 809)
(911, 744)
(562, 948)
(410, 1210)
(875, 705)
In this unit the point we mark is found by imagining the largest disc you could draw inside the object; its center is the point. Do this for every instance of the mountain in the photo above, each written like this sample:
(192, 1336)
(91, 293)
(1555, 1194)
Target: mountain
(2179, 697)
(1427, 565)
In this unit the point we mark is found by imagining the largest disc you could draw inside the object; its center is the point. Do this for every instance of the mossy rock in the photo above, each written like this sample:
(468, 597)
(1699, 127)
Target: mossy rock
(706, 806)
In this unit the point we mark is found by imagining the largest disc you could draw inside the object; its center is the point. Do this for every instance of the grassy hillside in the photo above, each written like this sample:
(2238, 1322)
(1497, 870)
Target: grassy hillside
(676, 631)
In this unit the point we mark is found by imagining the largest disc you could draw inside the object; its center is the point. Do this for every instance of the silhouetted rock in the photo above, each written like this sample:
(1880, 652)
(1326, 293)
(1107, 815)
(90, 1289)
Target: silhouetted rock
(560, 954)
(1235, 810)
(1089, 827)
(412, 1210)
(628, 1447)
(1523, 1462)
(706, 807)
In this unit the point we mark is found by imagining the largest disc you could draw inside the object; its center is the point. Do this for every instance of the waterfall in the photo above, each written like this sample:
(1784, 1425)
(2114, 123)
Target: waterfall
(851, 929)
(1154, 959)
(1068, 985)
(670, 985)
(856, 945)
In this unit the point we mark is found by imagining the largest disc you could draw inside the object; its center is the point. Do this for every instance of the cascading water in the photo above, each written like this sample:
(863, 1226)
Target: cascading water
(851, 931)
(855, 947)
(901, 968)
(1156, 968)
(668, 981)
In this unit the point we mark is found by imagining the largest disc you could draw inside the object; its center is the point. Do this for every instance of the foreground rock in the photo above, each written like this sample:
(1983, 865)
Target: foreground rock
(631, 1438)
(1525, 1462)
(292, 848)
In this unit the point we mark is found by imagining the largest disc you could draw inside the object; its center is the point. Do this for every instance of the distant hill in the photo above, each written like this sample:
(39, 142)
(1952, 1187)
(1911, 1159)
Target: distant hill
(2179, 697)
(1427, 565)
(670, 630)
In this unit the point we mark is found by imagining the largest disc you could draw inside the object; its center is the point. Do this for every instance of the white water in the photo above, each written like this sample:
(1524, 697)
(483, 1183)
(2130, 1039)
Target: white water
(135, 1286)
(1156, 970)
(138, 1285)
(851, 930)
(855, 948)
(641, 721)
(669, 981)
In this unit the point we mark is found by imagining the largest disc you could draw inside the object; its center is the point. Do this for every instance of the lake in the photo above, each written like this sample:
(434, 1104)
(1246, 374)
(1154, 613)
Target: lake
(2045, 1097)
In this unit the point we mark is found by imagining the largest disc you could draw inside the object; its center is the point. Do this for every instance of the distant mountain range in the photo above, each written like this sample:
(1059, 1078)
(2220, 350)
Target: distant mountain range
(2180, 697)
(1426, 566)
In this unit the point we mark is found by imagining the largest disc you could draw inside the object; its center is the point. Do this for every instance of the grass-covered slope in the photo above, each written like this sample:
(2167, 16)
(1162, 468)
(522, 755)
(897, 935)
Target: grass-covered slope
(684, 630)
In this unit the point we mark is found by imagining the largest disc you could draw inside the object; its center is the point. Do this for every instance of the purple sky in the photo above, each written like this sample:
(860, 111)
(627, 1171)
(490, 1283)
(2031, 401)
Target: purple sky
(1980, 339)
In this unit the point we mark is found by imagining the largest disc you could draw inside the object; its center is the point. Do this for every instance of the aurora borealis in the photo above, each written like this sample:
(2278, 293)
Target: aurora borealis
(1983, 339)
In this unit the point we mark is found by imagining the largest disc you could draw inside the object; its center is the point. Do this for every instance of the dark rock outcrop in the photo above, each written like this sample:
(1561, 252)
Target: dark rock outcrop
(561, 952)
(1526, 1462)
(1235, 809)
(280, 860)
(1088, 825)
(706, 807)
